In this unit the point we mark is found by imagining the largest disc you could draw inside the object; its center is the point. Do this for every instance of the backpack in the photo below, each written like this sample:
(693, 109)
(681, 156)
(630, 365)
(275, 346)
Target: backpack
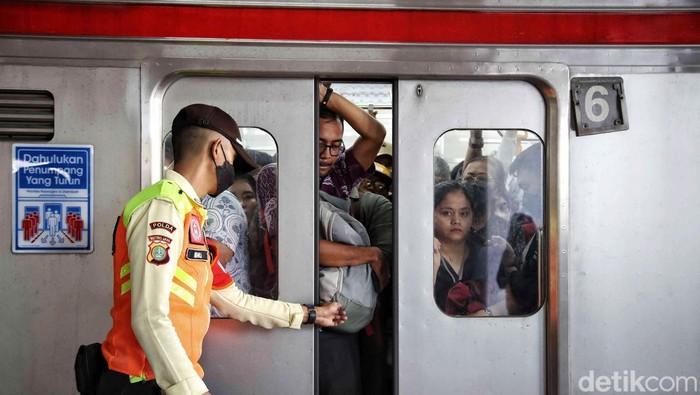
(354, 287)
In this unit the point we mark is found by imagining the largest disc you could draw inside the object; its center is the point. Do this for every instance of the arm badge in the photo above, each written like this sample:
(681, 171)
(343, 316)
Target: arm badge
(158, 250)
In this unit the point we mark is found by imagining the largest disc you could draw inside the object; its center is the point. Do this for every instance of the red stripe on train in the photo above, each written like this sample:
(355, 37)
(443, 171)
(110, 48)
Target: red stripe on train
(304, 24)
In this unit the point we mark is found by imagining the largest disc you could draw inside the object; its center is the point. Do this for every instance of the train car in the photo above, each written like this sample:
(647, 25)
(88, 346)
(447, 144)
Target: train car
(609, 91)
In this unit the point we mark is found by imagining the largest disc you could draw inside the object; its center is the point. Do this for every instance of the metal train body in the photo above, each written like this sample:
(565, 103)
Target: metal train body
(621, 211)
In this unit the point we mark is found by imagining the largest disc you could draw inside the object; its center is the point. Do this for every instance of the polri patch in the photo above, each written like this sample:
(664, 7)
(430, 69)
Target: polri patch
(158, 253)
(196, 234)
(162, 225)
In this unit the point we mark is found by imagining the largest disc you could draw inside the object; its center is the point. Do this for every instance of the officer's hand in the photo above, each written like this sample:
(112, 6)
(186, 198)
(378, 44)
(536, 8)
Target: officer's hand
(330, 314)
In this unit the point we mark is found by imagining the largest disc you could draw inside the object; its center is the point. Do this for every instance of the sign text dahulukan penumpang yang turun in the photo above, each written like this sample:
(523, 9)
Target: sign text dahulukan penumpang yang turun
(53, 170)
(52, 198)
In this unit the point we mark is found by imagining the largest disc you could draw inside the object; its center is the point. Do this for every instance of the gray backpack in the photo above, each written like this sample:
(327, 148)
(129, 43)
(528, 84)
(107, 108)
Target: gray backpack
(355, 287)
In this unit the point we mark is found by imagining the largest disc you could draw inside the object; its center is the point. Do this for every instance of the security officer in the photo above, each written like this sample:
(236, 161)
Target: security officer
(165, 274)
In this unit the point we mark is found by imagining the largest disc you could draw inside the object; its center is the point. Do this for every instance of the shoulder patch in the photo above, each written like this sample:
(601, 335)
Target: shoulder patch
(162, 225)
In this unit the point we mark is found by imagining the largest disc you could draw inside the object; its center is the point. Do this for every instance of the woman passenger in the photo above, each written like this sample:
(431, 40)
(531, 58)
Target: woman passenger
(464, 269)
(263, 231)
(489, 171)
(244, 189)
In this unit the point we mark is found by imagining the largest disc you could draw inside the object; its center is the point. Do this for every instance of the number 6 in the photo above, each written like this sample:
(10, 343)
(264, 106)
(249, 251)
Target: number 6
(590, 102)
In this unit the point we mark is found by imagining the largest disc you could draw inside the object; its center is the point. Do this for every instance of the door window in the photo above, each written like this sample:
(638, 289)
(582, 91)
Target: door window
(487, 222)
(243, 219)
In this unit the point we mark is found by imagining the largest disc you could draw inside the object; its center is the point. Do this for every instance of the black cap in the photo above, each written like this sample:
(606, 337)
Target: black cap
(216, 119)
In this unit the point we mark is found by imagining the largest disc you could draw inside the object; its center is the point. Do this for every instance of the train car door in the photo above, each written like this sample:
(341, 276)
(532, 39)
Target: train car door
(239, 357)
(439, 353)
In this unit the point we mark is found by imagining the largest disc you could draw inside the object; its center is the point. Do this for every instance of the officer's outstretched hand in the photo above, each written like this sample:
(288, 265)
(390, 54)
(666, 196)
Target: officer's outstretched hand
(330, 314)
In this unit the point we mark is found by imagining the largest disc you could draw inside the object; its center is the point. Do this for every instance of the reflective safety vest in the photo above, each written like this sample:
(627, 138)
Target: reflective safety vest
(189, 294)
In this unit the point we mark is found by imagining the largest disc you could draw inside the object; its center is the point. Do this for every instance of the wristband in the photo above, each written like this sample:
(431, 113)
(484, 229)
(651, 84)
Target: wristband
(327, 96)
(312, 314)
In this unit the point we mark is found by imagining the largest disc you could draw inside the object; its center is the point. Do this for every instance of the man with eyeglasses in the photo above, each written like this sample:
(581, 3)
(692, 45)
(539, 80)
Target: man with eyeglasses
(340, 169)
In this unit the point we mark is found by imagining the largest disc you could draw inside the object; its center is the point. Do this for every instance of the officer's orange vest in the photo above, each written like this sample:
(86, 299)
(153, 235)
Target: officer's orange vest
(189, 296)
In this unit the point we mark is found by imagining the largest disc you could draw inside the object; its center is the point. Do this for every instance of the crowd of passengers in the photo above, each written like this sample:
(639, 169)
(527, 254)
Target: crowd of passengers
(487, 230)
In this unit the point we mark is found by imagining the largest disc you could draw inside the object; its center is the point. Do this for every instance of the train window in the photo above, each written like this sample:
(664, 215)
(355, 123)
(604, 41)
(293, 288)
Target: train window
(26, 115)
(487, 222)
(247, 242)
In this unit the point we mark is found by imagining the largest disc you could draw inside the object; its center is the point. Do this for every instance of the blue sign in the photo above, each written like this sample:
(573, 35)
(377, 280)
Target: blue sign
(52, 203)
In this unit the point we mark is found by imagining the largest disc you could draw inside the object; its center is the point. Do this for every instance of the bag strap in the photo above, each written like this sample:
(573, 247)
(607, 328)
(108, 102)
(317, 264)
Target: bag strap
(355, 208)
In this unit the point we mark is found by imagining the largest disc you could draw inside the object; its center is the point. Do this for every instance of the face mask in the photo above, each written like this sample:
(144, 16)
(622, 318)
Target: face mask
(224, 175)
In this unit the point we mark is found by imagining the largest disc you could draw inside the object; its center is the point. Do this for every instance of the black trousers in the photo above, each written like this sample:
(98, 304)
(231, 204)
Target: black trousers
(115, 383)
(339, 364)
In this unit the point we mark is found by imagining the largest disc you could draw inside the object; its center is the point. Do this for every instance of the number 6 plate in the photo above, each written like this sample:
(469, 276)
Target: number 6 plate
(599, 105)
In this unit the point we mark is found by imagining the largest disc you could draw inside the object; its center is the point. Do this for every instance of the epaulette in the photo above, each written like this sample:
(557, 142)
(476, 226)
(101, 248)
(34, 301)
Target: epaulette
(162, 189)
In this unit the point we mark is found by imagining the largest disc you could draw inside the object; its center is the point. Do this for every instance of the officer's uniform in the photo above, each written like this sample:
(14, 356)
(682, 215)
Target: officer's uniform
(162, 283)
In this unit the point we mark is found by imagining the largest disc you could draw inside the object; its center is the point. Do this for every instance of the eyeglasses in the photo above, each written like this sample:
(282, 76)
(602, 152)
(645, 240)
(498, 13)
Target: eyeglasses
(335, 148)
(374, 185)
(476, 178)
